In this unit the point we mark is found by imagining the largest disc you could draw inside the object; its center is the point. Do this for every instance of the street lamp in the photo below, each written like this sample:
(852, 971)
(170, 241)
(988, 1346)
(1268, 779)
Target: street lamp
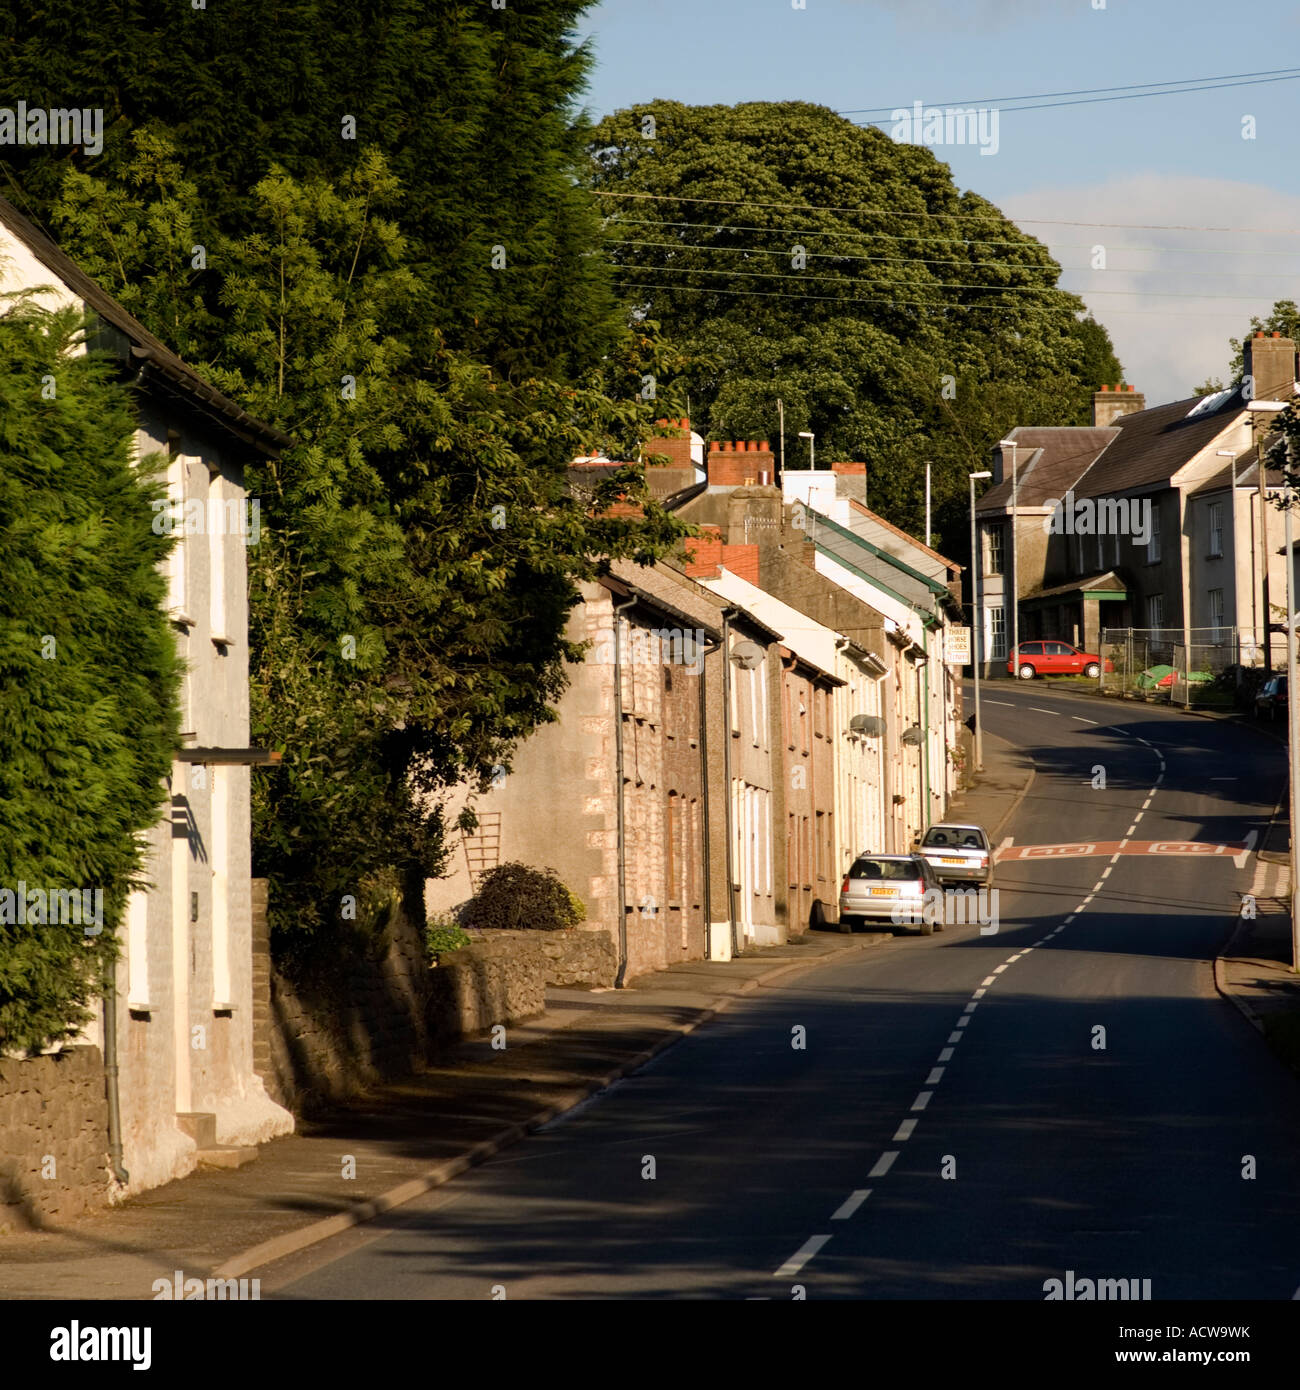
(1232, 514)
(1015, 569)
(976, 620)
(812, 454)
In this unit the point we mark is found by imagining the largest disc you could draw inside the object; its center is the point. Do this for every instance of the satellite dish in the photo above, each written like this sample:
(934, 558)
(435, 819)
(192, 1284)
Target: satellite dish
(747, 655)
(913, 736)
(872, 725)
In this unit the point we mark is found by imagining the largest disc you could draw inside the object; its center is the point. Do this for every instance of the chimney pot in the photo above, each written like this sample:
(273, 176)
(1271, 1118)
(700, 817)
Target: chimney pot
(1259, 333)
(766, 445)
(1276, 334)
(1105, 388)
(715, 446)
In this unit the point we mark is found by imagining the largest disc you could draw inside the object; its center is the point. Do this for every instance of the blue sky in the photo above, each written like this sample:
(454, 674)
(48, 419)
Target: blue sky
(1170, 298)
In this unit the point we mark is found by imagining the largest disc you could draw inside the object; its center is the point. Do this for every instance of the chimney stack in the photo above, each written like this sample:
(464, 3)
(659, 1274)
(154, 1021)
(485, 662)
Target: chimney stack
(1270, 367)
(1111, 402)
(740, 463)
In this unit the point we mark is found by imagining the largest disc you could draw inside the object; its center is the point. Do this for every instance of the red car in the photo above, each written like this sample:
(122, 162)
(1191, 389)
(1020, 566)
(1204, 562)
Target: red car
(1052, 658)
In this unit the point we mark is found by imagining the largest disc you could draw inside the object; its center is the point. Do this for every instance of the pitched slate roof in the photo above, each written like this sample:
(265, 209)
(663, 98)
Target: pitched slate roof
(150, 355)
(1049, 462)
(1154, 444)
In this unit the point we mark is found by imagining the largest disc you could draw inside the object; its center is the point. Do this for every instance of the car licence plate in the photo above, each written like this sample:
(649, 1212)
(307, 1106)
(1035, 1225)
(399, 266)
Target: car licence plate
(952, 861)
(883, 892)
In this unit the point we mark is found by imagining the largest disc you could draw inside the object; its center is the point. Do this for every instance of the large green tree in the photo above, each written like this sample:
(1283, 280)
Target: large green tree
(474, 106)
(88, 667)
(798, 257)
(420, 551)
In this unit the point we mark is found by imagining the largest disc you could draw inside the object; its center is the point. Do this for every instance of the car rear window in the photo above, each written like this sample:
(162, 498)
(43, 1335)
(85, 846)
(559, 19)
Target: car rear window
(948, 838)
(884, 868)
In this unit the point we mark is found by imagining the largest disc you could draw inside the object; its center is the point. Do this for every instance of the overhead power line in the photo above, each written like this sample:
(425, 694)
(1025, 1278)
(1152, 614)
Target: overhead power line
(907, 303)
(943, 284)
(937, 260)
(1081, 91)
(1130, 96)
(899, 236)
(950, 216)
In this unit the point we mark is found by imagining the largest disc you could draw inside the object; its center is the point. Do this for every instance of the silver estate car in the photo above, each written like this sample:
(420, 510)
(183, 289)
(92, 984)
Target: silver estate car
(957, 853)
(877, 885)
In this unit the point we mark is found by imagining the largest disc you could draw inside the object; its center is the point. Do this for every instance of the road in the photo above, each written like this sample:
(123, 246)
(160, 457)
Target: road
(959, 1081)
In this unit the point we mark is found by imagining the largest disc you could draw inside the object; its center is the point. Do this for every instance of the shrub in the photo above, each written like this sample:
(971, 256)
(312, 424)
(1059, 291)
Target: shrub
(514, 896)
(441, 937)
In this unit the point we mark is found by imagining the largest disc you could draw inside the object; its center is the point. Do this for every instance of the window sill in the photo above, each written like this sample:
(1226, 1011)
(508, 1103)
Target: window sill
(180, 618)
(219, 639)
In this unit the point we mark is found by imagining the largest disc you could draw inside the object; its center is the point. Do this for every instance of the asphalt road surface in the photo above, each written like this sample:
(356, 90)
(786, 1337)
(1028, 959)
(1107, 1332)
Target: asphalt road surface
(954, 1127)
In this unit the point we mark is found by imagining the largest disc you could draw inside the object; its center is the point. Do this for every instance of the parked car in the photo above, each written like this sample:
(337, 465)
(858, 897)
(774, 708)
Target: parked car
(1052, 658)
(957, 853)
(877, 884)
(1271, 699)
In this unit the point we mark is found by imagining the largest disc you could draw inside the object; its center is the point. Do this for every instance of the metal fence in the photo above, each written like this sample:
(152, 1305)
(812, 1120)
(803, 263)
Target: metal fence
(1157, 663)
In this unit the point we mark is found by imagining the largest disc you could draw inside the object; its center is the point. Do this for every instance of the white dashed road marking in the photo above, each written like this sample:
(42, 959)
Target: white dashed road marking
(883, 1164)
(801, 1257)
(855, 1200)
(904, 1131)
(922, 1100)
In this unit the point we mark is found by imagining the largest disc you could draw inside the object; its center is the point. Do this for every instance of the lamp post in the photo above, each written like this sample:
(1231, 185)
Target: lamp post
(976, 620)
(1232, 522)
(812, 448)
(1292, 725)
(780, 410)
(1015, 569)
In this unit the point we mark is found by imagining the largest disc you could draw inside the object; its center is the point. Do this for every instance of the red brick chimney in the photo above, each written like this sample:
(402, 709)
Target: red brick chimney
(857, 469)
(1111, 402)
(673, 439)
(708, 552)
(740, 463)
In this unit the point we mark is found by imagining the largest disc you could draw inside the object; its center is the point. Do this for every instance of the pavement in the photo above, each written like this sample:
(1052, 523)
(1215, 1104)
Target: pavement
(403, 1140)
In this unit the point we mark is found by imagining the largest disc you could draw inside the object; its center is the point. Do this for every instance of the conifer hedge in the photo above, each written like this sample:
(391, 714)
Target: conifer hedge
(89, 673)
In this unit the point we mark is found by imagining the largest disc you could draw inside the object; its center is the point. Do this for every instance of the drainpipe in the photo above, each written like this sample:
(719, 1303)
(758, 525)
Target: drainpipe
(925, 761)
(111, 1078)
(705, 820)
(619, 610)
(727, 614)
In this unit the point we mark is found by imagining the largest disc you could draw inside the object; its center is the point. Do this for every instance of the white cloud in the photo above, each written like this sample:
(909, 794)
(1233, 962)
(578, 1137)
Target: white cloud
(1169, 344)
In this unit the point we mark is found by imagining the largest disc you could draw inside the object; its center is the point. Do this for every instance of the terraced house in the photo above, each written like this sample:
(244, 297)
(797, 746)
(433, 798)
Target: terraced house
(172, 1044)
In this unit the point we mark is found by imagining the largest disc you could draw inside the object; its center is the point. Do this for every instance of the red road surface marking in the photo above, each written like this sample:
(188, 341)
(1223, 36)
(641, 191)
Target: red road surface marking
(1105, 848)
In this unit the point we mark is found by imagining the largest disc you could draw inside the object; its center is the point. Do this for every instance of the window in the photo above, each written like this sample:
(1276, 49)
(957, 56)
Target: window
(672, 864)
(1153, 545)
(1156, 610)
(1101, 562)
(821, 844)
(177, 468)
(1057, 649)
(997, 634)
(1216, 528)
(1114, 553)
(819, 713)
(216, 563)
(1216, 613)
(995, 551)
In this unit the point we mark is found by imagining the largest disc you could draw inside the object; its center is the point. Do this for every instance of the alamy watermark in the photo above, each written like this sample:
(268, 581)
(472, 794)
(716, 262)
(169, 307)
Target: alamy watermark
(949, 125)
(1099, 516)
(654, 646)
(213, 516)
(24, 125)
(53, 907)
(952, 907)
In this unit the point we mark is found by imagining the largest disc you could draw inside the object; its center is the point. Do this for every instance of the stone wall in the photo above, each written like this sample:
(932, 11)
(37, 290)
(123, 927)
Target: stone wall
(53, 1138)
(352, 1020)
(576, 956)
(494, 981)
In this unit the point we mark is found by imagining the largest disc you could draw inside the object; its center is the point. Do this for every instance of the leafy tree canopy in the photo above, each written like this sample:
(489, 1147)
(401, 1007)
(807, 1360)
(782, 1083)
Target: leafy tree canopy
(420, 551)
(798, 257)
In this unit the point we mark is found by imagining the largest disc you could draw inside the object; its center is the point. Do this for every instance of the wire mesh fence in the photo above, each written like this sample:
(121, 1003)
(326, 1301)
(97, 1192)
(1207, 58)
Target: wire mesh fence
(1160, 664)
